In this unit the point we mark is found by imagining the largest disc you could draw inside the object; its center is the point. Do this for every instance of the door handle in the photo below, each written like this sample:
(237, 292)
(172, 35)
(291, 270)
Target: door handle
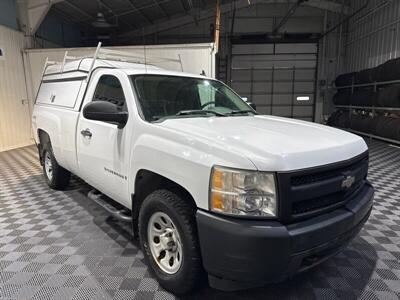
(86, 133)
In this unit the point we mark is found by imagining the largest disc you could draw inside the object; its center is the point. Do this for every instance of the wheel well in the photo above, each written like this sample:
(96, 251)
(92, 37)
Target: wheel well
(147, 182)
(44, 138)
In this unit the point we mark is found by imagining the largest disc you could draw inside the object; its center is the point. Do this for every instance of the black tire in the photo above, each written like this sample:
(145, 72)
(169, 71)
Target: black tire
(362, 97)
(190, 275)
(344, 79)
(376, 127)
(364, 76)
(390, 70)
(389, 96)
(362, 123)
(342, 97)
(60, 176)
(333, 118)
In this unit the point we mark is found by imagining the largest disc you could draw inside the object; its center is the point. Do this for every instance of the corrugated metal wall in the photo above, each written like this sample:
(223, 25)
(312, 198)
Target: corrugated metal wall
(14, 108)
(373, 36)
(369, 39)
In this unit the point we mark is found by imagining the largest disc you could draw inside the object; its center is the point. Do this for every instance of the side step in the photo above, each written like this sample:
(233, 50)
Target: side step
(100, 199)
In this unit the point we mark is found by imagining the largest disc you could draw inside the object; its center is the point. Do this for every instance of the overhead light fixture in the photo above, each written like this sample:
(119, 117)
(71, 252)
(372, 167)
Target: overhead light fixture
(101, 21)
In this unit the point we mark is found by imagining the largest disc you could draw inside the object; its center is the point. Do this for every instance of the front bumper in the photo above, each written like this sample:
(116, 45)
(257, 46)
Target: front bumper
(241, 253)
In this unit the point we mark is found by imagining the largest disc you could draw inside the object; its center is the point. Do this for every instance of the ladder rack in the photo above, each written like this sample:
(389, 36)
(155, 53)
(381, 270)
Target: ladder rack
(115, 55)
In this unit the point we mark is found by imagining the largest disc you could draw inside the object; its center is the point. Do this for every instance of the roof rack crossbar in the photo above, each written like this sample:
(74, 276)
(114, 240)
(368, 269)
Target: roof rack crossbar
(47, 63)
(127, 55)
(124, 56)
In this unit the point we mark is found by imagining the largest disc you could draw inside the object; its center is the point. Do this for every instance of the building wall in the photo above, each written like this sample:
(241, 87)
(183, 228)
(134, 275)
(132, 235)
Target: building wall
(8, 15)
(374, 36)
(14, 106)
(367, 40)
(54, 31)
(331, 62)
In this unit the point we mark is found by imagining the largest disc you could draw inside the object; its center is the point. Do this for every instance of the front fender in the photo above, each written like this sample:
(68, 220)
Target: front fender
(182, 159)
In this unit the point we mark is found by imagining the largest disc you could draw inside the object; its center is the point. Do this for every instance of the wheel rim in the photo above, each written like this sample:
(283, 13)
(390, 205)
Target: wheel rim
(164, 242)
(48, 166)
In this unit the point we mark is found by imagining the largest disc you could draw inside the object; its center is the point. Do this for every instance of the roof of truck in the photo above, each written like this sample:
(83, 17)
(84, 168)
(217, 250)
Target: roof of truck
(80, 67)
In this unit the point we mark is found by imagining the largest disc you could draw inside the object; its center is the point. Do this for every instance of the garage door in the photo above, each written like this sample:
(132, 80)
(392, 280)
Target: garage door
(278, 78)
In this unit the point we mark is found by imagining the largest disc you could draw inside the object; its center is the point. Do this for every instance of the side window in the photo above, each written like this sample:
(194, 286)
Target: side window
(109, 89)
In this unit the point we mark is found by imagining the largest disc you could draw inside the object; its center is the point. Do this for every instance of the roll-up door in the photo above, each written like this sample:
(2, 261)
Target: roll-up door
(278, 78)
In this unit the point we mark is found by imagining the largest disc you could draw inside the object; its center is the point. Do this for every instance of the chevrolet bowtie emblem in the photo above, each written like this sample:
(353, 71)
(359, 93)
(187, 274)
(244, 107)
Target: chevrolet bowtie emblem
(348, 182)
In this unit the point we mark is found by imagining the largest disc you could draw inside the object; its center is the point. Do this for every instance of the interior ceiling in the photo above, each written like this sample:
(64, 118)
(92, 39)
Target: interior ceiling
(126, 15)
(128, 19)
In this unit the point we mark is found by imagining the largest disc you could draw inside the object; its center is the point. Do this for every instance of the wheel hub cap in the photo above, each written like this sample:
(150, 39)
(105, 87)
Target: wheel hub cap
(164, 243)
(48, 166)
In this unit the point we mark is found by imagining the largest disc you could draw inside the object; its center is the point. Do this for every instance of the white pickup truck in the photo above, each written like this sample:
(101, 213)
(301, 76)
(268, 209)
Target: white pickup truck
(211, 187)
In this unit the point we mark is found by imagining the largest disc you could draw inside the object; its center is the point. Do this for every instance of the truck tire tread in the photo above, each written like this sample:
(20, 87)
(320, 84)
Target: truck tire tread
(191, 274)
(61, 176)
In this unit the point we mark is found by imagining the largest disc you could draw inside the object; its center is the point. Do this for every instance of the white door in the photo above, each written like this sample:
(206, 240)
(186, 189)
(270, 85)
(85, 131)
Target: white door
(103, 148)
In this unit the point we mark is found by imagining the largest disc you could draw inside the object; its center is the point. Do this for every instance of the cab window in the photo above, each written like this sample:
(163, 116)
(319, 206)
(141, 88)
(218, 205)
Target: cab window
(109, 89)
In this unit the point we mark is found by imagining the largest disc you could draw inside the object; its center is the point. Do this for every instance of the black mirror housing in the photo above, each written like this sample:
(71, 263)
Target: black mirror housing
(106, 112)
(252, 105)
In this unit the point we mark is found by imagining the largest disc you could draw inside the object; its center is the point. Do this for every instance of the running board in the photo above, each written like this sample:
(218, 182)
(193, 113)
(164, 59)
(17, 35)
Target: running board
(100, 199)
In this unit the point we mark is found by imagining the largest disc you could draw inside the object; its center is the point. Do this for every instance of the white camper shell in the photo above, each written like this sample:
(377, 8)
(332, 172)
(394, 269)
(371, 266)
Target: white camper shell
(73, 73)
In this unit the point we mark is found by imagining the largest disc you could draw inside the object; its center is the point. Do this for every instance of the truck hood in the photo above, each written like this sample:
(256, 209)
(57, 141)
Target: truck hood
(272, 143)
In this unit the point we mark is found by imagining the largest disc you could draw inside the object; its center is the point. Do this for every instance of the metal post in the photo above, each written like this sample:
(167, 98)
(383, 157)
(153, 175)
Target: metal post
(64, 59)
(251, 84)
(180, 62)
(272, 87)
(96, 53)
(293, 80)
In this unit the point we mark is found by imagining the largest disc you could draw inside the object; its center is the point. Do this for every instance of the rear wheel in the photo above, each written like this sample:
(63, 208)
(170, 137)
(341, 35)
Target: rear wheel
(56, 176)
(168, 237)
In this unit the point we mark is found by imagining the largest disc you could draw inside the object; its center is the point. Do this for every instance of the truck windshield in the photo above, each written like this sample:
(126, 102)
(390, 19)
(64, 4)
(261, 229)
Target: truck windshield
(163, 97)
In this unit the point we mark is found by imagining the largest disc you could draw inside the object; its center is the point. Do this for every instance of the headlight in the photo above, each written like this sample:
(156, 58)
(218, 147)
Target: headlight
(245, 193)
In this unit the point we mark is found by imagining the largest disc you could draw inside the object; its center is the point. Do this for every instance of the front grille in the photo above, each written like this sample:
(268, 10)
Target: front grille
(315, 204)
(324, 175)
(331, 200)
(314, 191)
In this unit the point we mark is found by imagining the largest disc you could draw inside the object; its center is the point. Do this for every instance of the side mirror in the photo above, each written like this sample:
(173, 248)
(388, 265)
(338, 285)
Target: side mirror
(247, 100)
(105, 111)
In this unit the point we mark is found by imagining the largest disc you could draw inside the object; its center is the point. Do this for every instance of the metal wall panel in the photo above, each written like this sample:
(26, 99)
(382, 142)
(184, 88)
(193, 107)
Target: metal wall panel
(14, 107)
(369, 39)
(273, 76)
(373, 36)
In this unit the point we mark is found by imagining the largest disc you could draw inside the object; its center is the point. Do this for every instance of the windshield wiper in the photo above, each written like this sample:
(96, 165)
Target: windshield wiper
(199, 112)
(187, 112)
(239, 112)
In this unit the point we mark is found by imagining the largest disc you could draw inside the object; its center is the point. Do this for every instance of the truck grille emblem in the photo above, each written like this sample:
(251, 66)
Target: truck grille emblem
(348, 182)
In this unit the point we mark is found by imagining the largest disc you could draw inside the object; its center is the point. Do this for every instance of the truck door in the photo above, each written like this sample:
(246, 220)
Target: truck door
(103, 148)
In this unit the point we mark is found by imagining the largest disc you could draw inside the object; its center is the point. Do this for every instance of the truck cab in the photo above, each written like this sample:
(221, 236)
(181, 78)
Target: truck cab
(211, 187)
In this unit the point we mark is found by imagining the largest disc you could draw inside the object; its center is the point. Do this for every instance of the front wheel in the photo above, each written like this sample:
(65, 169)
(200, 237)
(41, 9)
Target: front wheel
(168, 237)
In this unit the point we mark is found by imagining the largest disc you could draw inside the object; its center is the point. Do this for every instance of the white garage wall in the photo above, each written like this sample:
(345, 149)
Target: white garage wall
(195, 58)
(14, 108)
